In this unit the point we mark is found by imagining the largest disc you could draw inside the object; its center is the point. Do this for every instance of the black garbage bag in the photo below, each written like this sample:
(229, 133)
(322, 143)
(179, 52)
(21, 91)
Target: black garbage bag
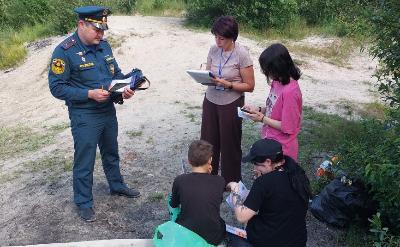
(339, 202)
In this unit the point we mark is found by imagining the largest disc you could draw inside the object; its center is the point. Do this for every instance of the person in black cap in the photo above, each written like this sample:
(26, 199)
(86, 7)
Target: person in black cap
(276, 206)
(81, 70)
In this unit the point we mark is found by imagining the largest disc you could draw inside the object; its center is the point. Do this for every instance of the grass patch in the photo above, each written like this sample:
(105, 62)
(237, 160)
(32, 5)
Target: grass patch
(20, 139)
(337, 52)
(156, 196)
(12, 44)
(173, 8)
(192, 107)
(116, 41)
(59, 127)
(133, 133)
(356, 236)
(150, 140)
(5, 178)
(53, 166)
(50, 164)
(191, 116)
(250, 134)
(374, 110)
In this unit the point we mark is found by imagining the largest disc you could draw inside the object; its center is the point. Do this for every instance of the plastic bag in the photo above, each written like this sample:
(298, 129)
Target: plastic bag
(339, 202)
(171, 234)
(173, 212)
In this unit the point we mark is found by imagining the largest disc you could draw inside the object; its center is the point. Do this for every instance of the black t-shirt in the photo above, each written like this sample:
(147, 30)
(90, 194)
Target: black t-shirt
(280, 221)
(200, 197)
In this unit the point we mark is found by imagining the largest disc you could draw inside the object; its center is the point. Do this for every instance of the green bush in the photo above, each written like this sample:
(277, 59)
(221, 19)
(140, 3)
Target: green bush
(367, 149)
(374, 156)
(345, 18)
(386, 48)
(382, 236)
(255, 13)
(25, 12)
(58, 14)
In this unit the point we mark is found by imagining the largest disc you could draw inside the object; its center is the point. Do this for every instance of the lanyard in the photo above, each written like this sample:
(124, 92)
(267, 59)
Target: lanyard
(220, 62)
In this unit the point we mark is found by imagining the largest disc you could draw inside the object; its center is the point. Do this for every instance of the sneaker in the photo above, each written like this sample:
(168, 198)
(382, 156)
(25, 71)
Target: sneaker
(127, 192)
(87, 214)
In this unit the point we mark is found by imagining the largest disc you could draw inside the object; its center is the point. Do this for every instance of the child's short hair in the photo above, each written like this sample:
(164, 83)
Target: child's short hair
(199, 152)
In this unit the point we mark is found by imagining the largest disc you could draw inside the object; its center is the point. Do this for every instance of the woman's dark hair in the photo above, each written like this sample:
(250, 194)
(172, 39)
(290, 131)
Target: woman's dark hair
(226, 26)
(275, 158)
(276, 63)
(199, 152)
(298, 179)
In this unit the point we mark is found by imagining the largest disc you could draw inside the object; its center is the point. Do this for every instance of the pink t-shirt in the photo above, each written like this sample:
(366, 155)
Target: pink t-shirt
(284, 104)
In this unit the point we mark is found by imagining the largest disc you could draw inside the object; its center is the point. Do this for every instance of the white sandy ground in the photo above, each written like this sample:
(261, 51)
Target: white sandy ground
(163, 49)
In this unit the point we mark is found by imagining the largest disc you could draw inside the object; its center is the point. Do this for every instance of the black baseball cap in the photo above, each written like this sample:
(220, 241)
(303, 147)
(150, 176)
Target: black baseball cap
(264, 149)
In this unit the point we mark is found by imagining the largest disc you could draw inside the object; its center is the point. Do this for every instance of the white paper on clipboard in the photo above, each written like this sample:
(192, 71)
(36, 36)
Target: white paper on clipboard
(201, 76)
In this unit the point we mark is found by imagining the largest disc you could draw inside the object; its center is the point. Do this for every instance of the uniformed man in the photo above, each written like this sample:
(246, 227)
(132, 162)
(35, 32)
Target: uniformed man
(82, 68)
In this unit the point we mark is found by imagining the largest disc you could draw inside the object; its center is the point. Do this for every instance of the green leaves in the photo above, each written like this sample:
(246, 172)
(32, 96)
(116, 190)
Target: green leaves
(258, 14)
(386, 48)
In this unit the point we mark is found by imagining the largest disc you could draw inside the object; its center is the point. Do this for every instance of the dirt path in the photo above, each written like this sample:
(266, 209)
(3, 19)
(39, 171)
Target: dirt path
(155, 128)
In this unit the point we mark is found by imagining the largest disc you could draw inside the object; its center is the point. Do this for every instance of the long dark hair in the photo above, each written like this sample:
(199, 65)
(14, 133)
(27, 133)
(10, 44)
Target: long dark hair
(276, 63)
(298, 179)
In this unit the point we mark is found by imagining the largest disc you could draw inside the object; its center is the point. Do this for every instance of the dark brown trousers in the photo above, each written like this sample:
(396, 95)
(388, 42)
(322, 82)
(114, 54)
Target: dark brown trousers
(222, 127)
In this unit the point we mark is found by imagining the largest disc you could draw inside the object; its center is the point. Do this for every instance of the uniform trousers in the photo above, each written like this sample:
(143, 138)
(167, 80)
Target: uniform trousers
(222, 127)
(89, 129)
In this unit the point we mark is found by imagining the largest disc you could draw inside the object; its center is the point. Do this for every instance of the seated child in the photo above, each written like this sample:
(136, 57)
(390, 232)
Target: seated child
(200, 195)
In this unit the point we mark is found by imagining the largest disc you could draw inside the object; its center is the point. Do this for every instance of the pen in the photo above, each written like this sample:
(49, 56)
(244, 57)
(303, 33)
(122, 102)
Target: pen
(102, 88)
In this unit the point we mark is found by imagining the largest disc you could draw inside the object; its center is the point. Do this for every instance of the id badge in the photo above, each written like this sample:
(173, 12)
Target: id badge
(220, 88)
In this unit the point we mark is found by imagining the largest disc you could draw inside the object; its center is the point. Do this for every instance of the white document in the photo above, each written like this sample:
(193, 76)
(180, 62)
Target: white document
(121, 84)
(243, 193)
(201, 76)
(235, 230)
(242, 114)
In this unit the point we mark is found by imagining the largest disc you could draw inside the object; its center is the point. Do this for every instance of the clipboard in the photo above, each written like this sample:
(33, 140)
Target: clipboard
(202, 76)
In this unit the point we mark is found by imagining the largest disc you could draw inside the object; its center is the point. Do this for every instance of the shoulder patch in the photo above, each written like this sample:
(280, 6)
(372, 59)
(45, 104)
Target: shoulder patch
(58, 66)
(68, 43)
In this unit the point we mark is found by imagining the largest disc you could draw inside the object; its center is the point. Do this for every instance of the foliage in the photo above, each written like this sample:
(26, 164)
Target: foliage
(57, 13)
(367, 149)
(345, 18)
(386, 48)
(255, 13)
(373, 155)
(382, 237)
(161, 7)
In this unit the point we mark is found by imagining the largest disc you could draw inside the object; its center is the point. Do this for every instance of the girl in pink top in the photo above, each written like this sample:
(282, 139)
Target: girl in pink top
(281, 116)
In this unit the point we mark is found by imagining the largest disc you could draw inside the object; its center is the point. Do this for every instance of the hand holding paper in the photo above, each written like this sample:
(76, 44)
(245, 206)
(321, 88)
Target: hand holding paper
(239, 189)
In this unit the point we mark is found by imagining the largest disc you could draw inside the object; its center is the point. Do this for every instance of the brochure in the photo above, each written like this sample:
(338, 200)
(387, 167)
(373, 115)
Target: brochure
(243, 192)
